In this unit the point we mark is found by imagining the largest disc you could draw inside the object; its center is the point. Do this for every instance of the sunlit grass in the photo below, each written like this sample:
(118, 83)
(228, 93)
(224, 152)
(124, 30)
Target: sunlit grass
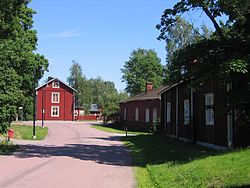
(25, 132)
(163, 162)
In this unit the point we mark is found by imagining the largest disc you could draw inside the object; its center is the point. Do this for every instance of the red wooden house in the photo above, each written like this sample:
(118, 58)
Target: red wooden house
(140, 111)
(55, 101)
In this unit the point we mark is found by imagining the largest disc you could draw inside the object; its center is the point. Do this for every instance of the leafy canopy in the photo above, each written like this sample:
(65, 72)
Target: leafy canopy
(17, 59)
(143, 66)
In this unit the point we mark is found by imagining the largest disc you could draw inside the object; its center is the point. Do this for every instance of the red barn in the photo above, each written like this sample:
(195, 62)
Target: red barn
(55, 101)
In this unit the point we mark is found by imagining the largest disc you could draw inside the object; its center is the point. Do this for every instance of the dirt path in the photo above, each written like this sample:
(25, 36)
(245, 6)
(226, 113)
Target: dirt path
(73, 155)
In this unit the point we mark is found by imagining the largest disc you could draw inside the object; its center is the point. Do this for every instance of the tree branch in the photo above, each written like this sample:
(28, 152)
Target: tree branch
(216, 25)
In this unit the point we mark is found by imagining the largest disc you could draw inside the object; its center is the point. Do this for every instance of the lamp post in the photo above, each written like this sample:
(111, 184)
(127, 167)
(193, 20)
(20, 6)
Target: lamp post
(34, 103)
(42, 109)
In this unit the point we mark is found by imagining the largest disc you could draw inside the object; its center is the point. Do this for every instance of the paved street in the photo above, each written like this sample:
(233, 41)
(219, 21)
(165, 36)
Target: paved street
(73, 155)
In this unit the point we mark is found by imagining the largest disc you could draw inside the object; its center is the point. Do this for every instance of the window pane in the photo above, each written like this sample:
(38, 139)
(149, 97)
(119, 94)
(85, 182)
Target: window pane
(168, 112)
(125, 114)
(136, 114)
(55, 97)
(209, 111)
(186, 112)
(147, 115)
(155, 114)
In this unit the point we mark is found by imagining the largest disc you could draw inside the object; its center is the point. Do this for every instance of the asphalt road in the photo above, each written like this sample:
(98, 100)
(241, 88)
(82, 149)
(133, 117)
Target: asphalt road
(73, 155)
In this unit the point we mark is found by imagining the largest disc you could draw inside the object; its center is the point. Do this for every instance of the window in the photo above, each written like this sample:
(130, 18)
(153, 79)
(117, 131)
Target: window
(55, 97)
(168, 113)
(55, 84)
(186, 112)
(55, 111)
(155, 114)
(209, 109)
(125, 114)
(136, 114)
(147, 115)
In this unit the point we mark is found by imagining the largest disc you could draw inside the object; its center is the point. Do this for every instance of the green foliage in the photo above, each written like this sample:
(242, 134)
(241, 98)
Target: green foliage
(181, 34)
(95, 91)
(17, 58)
(78, 81)
(225, 56)
(143, 66)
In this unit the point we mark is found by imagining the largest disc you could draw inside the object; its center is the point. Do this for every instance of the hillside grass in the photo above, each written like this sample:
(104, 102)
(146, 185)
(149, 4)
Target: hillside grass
(164, 162)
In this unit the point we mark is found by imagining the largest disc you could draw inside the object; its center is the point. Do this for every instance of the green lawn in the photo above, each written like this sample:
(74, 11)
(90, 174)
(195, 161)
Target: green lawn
(164, 162)
(116, 129)
(24, 132)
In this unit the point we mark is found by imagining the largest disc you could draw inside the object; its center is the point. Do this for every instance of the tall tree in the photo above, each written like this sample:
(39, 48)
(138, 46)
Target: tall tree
(181, 34)
(77, 80)
(224, 57)
(143, 66)
(18, 60)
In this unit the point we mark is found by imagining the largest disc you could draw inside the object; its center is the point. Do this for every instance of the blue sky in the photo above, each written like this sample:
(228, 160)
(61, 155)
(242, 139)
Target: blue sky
(99, 35)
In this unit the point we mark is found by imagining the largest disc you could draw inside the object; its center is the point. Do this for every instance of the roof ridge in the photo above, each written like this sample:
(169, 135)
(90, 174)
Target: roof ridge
(52, 81)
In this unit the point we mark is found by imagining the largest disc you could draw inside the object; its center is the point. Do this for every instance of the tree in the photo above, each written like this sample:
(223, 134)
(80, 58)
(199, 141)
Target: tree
(143, 66)
(224, 56)
(94, 90)
(236, 10)
(17, 58)
(181, 34)
(79, 82)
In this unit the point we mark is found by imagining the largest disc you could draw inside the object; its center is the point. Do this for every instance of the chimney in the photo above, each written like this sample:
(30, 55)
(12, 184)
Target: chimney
(149, 86)
(50, 78)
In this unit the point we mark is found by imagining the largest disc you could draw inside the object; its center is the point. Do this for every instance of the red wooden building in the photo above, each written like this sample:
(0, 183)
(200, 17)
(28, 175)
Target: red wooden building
(200, 116)
(55, 101)
(140, 111)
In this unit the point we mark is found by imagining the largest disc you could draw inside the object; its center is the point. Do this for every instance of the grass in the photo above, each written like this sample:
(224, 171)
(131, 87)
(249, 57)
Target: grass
(24, 132)
(164, 162)
(116, 129)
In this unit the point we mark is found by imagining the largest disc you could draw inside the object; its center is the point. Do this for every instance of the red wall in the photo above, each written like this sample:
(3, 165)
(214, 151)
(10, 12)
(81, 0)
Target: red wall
(141, 124)
(65, 103)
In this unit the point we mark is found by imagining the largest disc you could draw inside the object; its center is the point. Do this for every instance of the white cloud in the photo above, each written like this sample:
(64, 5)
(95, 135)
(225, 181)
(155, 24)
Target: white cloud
(64, 34)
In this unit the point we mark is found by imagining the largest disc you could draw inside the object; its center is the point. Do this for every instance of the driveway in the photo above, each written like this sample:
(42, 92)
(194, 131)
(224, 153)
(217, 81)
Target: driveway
(73, 155)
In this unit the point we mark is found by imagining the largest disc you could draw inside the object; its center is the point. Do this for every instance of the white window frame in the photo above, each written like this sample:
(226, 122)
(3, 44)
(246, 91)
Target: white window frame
(155, 114)
(55, 93)
(136, 114)
(147, 112)
(168, 112)
(54, 85)
(209, 109)
(125, 114)
(186, 112)
(52, 110)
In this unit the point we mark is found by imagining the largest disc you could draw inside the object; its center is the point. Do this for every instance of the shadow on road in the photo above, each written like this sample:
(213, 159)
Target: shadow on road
(110, 155)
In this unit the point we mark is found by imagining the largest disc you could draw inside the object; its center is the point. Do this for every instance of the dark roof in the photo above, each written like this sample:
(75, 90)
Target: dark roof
(150, 95)
(51, 80)
(169, 87)
(94, 108)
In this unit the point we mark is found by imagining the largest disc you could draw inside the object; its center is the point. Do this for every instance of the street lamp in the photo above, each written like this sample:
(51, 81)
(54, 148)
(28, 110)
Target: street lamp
(42, 109)
(34, 103)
